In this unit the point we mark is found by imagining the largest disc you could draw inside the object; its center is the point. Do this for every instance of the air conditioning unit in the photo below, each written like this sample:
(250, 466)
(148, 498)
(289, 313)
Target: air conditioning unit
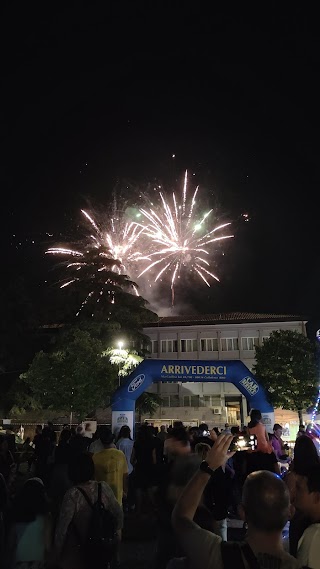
(217, 411)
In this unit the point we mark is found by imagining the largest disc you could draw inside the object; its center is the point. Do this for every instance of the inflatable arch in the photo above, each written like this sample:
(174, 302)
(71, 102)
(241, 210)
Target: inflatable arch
(154, 370)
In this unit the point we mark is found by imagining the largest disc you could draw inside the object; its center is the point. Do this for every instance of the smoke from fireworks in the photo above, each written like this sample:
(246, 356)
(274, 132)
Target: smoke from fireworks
(175, 237)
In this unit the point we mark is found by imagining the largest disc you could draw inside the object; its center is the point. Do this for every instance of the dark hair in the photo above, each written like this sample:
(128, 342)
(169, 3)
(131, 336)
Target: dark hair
(106, 436)
(255, 416)
(177, 424)
(305, 455)
(65, 436)
(125, 432)
(81, 468)
(235, 430)
(144, 434)
(179, 434)
(266, 501)
(30, 502)
(46, 432)
(203, 427)
(276, 426)
(313, 478)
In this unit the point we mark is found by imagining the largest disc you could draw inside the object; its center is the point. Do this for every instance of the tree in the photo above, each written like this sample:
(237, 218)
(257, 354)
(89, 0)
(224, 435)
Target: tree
(286, 367)
(75, 377)
(147, 404)
(126, 361)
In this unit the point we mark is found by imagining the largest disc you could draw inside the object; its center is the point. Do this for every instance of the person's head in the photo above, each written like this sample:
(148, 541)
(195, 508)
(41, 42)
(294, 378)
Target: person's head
(50, 425)
(277, 430)
(162, 428)
(144, 434)
(226, 426)
(64, 436)
(38, 429)
(46, 433)
(80, 431)
(203, 429)
(81, 468)
(106, 436)
(305, 455)
(202, 450)
(193, 433)
(178, 441)
(152, 430)
(235, 431)
(301, 431)
(255, 416)
(177, 424)
(125, 432)
(30, 501)
(265, 502)
(307, 494)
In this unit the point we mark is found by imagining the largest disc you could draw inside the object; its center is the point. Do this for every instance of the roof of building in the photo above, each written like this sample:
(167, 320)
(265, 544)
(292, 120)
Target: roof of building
(224, 318)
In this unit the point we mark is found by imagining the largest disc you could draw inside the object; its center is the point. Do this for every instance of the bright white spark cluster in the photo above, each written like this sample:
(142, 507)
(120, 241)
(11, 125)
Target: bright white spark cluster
(172, 236)
(176, 239)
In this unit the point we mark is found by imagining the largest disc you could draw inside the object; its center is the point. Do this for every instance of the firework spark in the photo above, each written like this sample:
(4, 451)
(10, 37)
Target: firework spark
(112, 249)
(174, 234)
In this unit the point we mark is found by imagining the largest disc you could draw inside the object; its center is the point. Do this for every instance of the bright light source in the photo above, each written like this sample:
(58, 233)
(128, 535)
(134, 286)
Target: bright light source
(120, 345)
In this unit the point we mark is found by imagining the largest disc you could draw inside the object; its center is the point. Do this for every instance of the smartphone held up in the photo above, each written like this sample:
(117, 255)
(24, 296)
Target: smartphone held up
(244, 442)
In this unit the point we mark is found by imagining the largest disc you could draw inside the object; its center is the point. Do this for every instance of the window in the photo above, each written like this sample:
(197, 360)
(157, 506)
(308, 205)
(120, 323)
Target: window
(229, 344)
(194, 400)
(189, 345)
(154, 346)
(209, 344)
(250, 343)
(174, 401)
(169, 346)
(186, 400)
(206, 399)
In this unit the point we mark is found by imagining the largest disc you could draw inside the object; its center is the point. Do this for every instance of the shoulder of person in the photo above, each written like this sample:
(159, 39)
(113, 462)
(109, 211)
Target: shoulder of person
(312, 532)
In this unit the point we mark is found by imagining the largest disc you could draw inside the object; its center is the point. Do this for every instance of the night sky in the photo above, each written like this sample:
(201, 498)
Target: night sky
(94, 100)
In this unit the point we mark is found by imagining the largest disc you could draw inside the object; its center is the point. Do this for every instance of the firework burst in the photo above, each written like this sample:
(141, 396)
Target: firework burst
(176, 240)
(102, 253)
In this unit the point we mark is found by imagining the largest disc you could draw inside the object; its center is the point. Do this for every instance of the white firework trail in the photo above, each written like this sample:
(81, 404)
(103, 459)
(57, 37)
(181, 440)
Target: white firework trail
(117, 242)
(173, 231)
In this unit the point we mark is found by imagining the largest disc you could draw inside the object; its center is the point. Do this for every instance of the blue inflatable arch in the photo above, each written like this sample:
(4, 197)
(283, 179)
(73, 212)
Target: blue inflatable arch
(154, 370)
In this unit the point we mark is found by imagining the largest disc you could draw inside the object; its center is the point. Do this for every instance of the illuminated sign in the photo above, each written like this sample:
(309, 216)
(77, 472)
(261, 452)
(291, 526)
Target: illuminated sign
(136, 383)
(192, 372)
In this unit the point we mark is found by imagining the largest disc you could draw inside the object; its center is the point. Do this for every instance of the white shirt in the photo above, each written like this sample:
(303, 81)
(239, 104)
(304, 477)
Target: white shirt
(126, 445)
(309, 547)
(96, 446)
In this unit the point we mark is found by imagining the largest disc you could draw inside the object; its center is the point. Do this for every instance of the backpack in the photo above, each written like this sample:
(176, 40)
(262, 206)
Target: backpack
(101, 541)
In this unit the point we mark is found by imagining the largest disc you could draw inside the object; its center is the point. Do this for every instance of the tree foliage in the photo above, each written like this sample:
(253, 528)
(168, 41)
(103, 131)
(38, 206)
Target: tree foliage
(75, 377)
(286, 367)
(147, 404)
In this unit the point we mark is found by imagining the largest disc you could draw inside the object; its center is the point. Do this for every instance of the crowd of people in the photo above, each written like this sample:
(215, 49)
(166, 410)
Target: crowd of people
(190, 481)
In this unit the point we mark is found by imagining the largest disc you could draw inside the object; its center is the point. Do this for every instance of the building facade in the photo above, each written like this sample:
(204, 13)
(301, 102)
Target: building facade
(230, 336)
